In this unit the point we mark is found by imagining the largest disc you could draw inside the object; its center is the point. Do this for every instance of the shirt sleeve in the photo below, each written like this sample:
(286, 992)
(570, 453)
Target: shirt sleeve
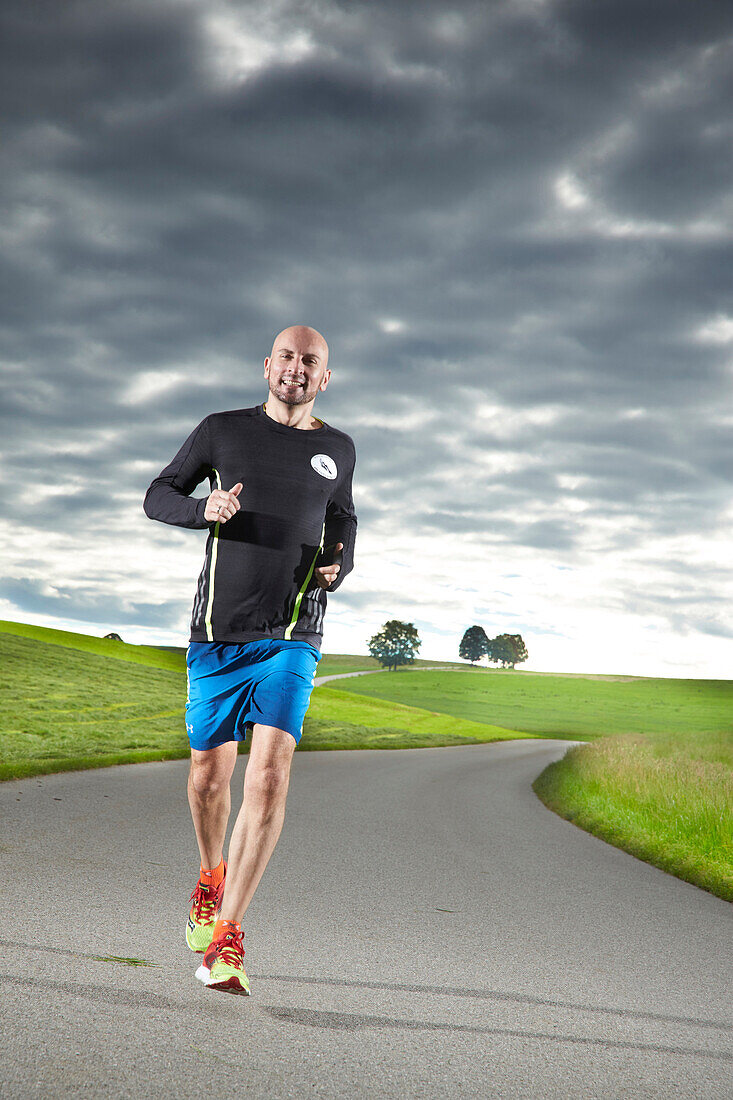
(168, 498)
(340, 527)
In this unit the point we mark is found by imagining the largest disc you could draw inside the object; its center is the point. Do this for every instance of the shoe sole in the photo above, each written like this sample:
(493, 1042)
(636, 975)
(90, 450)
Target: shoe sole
(226, 985)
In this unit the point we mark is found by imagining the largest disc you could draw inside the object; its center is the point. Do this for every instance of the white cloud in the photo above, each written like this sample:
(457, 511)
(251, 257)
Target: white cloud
(592, 217)
(451, 27)
(391, 324)
(571, 482)
(152, 384)
(718, 330)
(506, 422)
(569, 192)
(243, 42)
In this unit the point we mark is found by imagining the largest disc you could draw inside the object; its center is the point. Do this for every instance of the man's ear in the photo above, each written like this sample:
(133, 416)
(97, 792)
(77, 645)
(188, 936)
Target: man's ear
(326, 377)
(267, 366)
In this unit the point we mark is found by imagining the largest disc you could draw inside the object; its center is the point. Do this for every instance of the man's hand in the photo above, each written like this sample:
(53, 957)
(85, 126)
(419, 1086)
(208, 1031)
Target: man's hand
(326, 574)
(222, 505)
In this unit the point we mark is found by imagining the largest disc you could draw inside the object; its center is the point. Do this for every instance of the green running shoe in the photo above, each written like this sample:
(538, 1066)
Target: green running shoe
(202, 917)
(223, 965)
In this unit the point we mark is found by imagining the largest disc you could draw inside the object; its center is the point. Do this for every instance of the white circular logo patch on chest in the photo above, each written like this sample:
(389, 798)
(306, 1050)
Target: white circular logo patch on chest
(325, 466)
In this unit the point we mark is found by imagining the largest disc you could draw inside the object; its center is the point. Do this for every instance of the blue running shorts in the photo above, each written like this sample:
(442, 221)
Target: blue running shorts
(233, 685)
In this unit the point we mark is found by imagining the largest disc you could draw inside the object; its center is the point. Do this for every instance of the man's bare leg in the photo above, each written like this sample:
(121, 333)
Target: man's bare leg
(210, 799)
(260, 819)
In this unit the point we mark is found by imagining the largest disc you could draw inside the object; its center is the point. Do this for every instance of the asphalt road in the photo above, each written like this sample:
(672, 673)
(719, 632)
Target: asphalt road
(426, 928)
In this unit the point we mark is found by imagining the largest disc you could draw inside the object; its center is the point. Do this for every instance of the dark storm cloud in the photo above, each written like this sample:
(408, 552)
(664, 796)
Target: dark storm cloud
(395, 184)
(88, 605)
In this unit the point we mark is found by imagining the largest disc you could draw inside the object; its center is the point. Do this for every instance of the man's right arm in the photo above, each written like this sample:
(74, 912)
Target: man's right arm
(169, 495)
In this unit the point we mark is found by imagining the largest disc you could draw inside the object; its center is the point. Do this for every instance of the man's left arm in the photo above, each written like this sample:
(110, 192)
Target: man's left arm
(340, 530)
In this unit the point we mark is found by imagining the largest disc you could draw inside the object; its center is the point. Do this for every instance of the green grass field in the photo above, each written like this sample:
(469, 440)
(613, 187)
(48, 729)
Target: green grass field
(64, 707)
(150, 656)
(654, 779)
(338, 720)
(69, 701)
(695, 714)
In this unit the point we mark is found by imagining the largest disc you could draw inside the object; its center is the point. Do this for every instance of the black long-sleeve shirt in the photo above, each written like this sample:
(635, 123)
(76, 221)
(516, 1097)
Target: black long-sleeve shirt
(257, 579)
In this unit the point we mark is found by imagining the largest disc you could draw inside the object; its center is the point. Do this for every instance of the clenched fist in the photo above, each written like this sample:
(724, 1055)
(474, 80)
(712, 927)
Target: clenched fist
(222, 505)
(326, 574)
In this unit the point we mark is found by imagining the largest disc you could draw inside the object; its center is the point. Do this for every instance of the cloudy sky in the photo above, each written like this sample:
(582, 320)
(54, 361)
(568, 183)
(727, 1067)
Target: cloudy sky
(512, 220)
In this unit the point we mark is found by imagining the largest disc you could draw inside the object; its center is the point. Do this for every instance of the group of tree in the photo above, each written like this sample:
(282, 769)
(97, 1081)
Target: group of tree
(396, 644)
(506, 650)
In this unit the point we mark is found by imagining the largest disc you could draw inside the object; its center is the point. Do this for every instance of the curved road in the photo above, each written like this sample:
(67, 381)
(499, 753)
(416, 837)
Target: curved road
(318, 680)
(426, 928)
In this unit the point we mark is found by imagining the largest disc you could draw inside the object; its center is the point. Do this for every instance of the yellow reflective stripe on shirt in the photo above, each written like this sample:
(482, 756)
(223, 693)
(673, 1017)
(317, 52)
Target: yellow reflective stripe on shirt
(298, 599)
(212, 568)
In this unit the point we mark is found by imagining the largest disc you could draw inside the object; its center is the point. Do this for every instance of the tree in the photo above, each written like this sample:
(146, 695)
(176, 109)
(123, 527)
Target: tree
(474, 644)
(507, 650)
(395, 644)
(520, 649)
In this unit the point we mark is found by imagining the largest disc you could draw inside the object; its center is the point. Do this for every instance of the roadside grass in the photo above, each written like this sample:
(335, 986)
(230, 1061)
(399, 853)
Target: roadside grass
(669, 809)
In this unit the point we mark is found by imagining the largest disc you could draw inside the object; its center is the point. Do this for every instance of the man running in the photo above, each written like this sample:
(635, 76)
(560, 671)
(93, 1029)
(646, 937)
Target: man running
(281, 532)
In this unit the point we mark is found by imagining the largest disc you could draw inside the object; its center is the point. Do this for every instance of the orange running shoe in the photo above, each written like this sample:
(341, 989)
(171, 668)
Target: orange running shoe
(223, 965)
(206, 900)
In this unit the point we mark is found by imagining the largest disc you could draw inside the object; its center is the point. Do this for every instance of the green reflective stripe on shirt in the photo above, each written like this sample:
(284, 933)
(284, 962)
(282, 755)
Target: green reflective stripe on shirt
(298, 599)
(212, 568)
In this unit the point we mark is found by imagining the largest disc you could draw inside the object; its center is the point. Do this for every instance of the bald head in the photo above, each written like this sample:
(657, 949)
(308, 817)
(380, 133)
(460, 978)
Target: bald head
(302, 340)
(297, 367)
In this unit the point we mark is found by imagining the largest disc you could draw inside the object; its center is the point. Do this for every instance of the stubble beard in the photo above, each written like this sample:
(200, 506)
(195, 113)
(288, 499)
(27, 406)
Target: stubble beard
(301, 396)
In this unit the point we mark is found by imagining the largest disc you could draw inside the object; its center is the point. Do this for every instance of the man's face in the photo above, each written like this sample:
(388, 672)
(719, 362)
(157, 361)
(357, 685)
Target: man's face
(297, 368)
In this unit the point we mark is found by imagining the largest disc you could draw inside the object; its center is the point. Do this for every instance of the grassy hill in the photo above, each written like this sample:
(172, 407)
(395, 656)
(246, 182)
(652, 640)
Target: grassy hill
(70, 701)
(151, 656)
(65, 707)
(690, 716)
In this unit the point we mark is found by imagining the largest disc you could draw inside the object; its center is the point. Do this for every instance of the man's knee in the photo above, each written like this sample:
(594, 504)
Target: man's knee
(268, 769)
(267, 781)
(211, 770)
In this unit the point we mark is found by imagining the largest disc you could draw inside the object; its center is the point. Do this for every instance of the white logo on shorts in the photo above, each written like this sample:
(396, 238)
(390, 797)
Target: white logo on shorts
(325, 466)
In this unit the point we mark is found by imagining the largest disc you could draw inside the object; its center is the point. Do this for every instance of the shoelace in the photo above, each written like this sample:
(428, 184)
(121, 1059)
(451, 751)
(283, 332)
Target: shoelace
(205, 899)
(230, 949)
